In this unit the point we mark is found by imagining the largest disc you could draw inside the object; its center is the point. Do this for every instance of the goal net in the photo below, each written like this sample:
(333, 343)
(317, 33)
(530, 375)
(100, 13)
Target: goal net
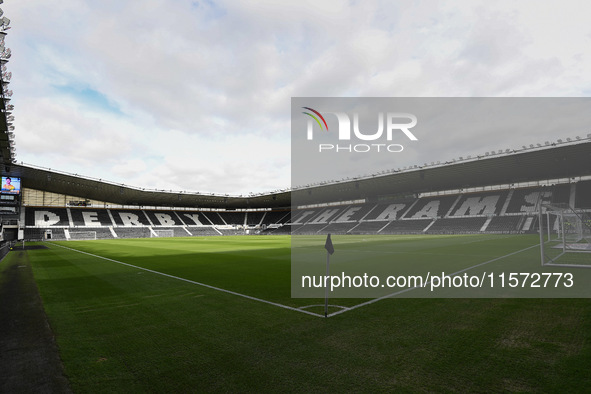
(162, 233)
(565, 236)
(82, 235)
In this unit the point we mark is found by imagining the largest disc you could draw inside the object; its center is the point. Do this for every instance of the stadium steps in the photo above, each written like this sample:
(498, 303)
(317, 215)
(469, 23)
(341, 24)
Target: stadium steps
(409, 208)
(528, 222)
(147, 218)
(485, 225)
(70, 220)
(429, 225)
(113, 232)
(506, 204)
(386, 225)
(357, 225)
(451, 209)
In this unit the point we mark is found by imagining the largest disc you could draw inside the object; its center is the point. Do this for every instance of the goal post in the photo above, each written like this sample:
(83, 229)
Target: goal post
(82, 235)
(161, 233)
(565, 236)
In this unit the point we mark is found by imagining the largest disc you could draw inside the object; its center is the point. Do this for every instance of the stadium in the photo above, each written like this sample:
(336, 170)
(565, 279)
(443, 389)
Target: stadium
(109, 287)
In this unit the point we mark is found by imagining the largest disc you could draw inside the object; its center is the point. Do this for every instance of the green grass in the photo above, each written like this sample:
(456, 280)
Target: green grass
(120, 329)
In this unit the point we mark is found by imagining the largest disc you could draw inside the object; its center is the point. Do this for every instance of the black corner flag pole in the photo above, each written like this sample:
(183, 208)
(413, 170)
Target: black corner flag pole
(329, 250)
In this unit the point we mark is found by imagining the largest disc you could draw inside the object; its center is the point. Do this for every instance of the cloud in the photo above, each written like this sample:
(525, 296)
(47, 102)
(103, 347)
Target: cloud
(113, 81)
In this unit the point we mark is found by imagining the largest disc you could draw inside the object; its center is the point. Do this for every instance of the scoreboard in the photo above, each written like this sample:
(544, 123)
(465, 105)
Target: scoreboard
(10, 192)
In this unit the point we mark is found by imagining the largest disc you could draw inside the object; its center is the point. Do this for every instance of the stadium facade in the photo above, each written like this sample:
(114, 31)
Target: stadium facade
(497, 192)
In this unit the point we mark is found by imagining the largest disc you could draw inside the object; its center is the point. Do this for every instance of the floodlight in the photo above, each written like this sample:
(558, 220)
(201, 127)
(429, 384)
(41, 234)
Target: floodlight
(531, 145)
(1, 12)
(10, 118)
(523, 146)
(7, 76)
(559, 141)
(568, 139)
(546, 143)
(577, 137)
(5, 21)
(539, 145)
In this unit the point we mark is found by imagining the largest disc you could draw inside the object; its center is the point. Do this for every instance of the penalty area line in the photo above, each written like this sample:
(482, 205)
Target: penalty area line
(421, 287)
(195, 283)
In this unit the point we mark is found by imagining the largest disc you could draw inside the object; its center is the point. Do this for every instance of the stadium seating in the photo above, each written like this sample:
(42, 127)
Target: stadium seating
(406, 226)
(583, 195)
(505, 224)
(457, 225)
(276, 217)
(90, 217)
(494, 211)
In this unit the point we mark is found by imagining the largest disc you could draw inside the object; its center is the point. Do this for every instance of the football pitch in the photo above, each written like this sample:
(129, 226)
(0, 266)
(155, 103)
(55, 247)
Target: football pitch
(216, 314)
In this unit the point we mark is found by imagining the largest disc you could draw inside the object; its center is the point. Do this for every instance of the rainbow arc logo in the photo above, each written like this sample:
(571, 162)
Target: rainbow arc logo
(316, 118)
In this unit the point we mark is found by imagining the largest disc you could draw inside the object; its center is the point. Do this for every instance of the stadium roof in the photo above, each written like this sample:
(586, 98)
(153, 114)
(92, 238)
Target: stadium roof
(564, 160)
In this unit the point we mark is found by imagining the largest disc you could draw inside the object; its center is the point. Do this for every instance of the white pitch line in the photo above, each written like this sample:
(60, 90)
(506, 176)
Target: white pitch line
(195, 283)
(419, 287)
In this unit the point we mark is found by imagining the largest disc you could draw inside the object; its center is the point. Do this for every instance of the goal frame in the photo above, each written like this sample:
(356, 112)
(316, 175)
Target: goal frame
(561, 240)
(161, 231)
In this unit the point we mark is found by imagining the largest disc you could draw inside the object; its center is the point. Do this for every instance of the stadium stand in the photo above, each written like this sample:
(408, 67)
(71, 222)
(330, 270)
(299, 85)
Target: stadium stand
(406, 226)
(431, 207)
(212, 217)
(382, 212)
(46, 217)
(165, 219)
(129, 218)
(457, 225)
(505, 224)
(276, 217)
(133, 232)
(85, 233)
(583, 195)
(525, 200)
(229, 218)
(254, 218)
(480, 204)
(90, 217)
(494, 211)
(202, 231)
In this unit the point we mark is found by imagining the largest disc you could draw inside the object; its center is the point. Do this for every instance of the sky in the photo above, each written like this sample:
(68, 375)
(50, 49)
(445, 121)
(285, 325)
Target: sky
(195, 95)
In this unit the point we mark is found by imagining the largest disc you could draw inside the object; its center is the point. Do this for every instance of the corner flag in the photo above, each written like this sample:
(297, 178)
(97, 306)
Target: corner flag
(328, 245)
